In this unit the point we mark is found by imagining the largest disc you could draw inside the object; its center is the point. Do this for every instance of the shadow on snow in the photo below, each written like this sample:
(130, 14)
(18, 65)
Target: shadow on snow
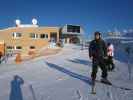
(70, 73)
(16, 92)
(80, 61)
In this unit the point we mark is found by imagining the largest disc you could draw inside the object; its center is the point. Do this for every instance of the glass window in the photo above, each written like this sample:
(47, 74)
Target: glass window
(13, 34)
(16, 35)
(32, 47)
(42, 36)
(18, 47)
(46, 35)
(10, 47)
(72, 28)
(32, 35)
(36, 35)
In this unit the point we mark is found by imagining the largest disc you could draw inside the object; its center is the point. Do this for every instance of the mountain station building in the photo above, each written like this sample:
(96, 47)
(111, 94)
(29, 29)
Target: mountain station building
(32, 37)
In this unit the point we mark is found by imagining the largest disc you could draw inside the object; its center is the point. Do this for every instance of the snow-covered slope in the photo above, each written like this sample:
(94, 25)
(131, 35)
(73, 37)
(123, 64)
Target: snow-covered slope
(65, 76)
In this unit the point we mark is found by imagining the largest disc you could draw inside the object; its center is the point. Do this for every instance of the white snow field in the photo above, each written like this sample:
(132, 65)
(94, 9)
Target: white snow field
(64, 76)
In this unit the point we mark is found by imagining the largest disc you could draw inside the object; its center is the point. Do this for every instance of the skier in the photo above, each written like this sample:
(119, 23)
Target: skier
(110, 53)
(98, 54)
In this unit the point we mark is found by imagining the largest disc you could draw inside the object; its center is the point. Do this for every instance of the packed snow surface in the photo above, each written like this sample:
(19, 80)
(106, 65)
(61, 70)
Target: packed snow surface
(64, 76)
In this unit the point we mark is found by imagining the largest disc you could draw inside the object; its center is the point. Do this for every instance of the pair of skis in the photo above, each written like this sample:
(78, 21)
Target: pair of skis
(93, 88)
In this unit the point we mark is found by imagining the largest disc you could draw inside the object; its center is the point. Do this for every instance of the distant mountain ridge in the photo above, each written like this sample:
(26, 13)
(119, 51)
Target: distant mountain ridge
(129, 34)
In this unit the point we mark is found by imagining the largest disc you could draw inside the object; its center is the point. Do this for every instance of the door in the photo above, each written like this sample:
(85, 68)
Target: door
(53, 37)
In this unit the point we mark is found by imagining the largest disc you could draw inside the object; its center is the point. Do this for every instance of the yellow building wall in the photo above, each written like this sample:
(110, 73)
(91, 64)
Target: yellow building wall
(25, 41)
(2, 48)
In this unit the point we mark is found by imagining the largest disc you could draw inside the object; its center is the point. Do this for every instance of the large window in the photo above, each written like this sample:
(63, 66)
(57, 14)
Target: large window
(72, 28)
(43, 36)
(16, 35)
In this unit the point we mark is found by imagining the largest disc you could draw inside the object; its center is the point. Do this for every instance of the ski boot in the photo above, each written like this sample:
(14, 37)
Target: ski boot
(106, 81)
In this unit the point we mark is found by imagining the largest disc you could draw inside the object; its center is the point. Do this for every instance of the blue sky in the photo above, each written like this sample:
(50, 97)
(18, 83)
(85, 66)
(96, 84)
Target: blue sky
(92, 15)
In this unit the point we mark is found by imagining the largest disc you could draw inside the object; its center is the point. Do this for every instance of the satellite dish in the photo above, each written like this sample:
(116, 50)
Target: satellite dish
(34, 21)
(18, 22)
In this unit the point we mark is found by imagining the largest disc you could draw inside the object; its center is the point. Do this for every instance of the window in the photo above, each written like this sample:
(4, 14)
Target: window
(43, 36)
(16, 35)
(10, 47)
(72, 28)
(33, 35)
(18, 47)
(36, 35)
(32, 47)
(47, 36)
(13, 34)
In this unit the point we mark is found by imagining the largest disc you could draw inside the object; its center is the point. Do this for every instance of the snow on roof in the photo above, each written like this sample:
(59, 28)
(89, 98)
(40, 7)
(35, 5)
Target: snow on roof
(28, 26)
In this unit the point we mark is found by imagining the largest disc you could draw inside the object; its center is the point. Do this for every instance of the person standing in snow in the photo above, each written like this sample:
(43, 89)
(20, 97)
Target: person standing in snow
(110, 53)
(98, 54)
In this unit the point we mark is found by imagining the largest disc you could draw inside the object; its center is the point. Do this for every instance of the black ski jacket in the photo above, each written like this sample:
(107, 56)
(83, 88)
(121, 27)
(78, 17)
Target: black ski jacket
(97, 49)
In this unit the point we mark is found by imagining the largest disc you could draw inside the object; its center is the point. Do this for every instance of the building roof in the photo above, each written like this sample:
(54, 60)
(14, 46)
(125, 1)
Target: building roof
(25, 26)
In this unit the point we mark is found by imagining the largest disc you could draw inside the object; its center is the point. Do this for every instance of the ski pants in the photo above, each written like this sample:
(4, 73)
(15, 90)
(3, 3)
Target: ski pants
(95, 65)
(110, 63)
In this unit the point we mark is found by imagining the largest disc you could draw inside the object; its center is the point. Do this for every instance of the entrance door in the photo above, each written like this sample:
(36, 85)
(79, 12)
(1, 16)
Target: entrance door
(74, 39)
(53, 37)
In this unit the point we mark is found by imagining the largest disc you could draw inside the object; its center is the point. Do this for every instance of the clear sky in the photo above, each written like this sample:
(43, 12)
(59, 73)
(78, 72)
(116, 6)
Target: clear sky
(92, 15)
